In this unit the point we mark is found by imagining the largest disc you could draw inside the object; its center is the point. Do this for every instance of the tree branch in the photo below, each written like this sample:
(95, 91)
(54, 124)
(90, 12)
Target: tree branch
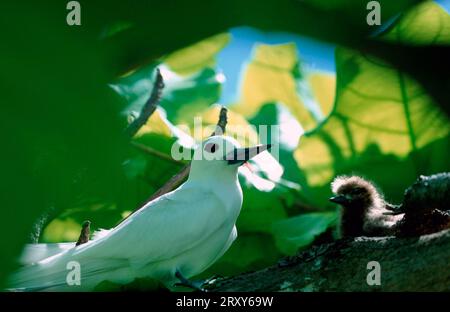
(170, 185)
(407, 264)
(151, 151)
(149, 107)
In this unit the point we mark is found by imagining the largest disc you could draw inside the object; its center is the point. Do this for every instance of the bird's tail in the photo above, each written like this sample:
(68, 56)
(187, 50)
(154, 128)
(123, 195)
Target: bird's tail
(42, 275)
(68, 271)
(53, 267)
(33, 253)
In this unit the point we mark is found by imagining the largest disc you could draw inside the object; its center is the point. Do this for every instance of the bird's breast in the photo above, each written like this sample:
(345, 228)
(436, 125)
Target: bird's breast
(232, 198)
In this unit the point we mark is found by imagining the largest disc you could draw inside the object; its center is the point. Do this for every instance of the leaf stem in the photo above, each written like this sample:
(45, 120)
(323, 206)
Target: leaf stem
(405, 102)
(151, 151)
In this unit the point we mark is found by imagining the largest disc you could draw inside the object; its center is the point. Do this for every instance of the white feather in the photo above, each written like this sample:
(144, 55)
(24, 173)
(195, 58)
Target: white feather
(36, 252)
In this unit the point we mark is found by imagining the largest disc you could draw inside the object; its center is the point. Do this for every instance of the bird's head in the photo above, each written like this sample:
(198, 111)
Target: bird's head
(222, 154)
(354, 191)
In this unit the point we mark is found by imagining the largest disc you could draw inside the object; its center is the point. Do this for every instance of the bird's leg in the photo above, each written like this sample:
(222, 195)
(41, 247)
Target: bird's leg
(212, 279)
(196, 285)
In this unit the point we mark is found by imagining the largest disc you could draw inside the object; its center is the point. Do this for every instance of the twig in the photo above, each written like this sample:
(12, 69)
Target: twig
(173, 182)
(149, 106)
(151, 151)
(84, 234)
(222, 123)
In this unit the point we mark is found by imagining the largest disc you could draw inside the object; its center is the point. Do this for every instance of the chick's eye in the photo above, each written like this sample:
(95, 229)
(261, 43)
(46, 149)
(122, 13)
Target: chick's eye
(357, 190)
(210, 147)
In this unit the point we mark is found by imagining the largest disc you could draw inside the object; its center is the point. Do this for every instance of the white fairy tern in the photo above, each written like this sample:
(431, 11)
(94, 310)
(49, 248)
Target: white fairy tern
(173, 237)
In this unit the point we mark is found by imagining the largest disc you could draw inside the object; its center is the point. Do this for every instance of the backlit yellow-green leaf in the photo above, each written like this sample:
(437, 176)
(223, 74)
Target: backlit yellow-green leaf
(274, 75)
(155, 124)
(323, 87)
(197, 56)
(62, 231)
(426, 23)
(380, 112)
(237, 126)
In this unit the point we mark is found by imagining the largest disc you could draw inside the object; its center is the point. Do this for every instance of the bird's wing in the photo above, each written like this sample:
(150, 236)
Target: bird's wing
(164, 228)
(36, 252)
(51, 274)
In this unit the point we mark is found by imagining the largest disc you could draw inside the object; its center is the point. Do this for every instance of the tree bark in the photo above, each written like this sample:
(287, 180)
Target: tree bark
(407, 264)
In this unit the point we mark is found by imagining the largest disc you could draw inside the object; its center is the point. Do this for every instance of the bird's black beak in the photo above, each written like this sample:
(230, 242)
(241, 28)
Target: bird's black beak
(339, 199)
(241, 155)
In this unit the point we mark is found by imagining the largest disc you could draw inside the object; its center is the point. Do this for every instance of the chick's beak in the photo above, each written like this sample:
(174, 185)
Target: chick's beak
(339, 199)
(241, 155)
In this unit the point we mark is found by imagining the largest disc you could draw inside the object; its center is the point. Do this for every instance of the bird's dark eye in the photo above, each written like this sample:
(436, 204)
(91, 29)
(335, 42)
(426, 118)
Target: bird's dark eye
(210, 147)
(357, 190)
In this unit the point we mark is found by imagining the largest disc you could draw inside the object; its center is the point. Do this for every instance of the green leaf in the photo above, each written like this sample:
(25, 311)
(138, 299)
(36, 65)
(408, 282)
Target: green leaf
(355, 11)
(197, 56)
(260, 208)
(65, 230)
(300, 231)
(250, 251)
(62, 138)
(284, 132)
(191, 83)
(134, 166)
(182, 97)
(425, 24)
(275, 75)
(383, 126)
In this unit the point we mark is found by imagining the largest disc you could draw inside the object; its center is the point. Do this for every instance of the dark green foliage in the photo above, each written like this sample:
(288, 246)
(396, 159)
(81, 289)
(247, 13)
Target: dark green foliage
(67, 93)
